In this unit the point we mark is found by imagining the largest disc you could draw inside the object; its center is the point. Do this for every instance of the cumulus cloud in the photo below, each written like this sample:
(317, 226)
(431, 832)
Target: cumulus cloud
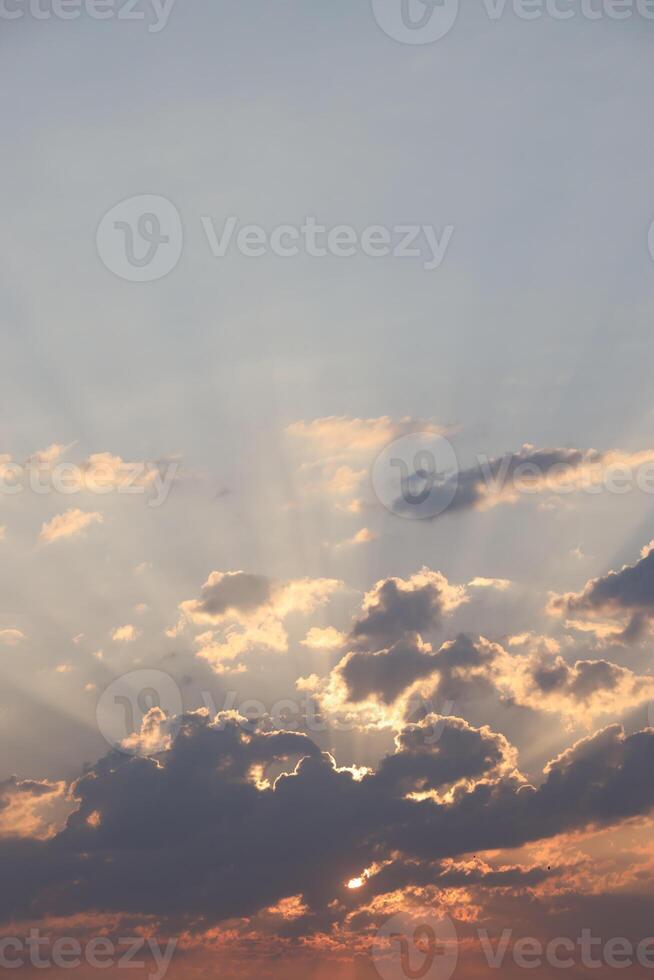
(386, 654)
(196, 835)
(222, 651)
(341, 436)
(71, 523)
(228, 593)
(125, 634)
(628, 593)
(501, 584)
(380, 688)
(11, 637)
(31, 808)
(395, 876)
(386, 674)
(395, 607)
(438, 752)
(532, 472)
(335, 453)
(323, 639)
(580, 691)
(364, 536)
(248, 611)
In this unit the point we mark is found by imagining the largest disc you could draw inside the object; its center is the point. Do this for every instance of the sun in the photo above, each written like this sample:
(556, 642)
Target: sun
(355, 882)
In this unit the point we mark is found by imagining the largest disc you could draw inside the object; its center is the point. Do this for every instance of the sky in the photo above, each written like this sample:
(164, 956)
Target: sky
(326, 482)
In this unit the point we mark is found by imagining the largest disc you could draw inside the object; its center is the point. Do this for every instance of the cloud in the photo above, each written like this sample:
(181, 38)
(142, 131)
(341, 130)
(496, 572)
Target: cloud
(323, 639)
(580, 691)
(380, 689)
(395, 607)
(439, 752)
(69, 524)
(125, 634)
(11, 637)
(228, 593)
(248, 611)
(397, 875)
(196, 835)
(386, 674)
(222, 654)
(386, 654)
(364, 536)
(501, 584)
(31, 808)
(241, 597)
(628, 593)
(335, 453)
(46, 457)
(343, 436)
(531, 472)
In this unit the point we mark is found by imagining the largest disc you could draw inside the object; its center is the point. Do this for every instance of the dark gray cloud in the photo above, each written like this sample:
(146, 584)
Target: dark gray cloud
(431, 756)
(399, 607)
(189, 836)
(486, 481)
(631, 590)
(29, 787)
(233, 591)
(403, 874)
(387, 673)
(581, 680)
